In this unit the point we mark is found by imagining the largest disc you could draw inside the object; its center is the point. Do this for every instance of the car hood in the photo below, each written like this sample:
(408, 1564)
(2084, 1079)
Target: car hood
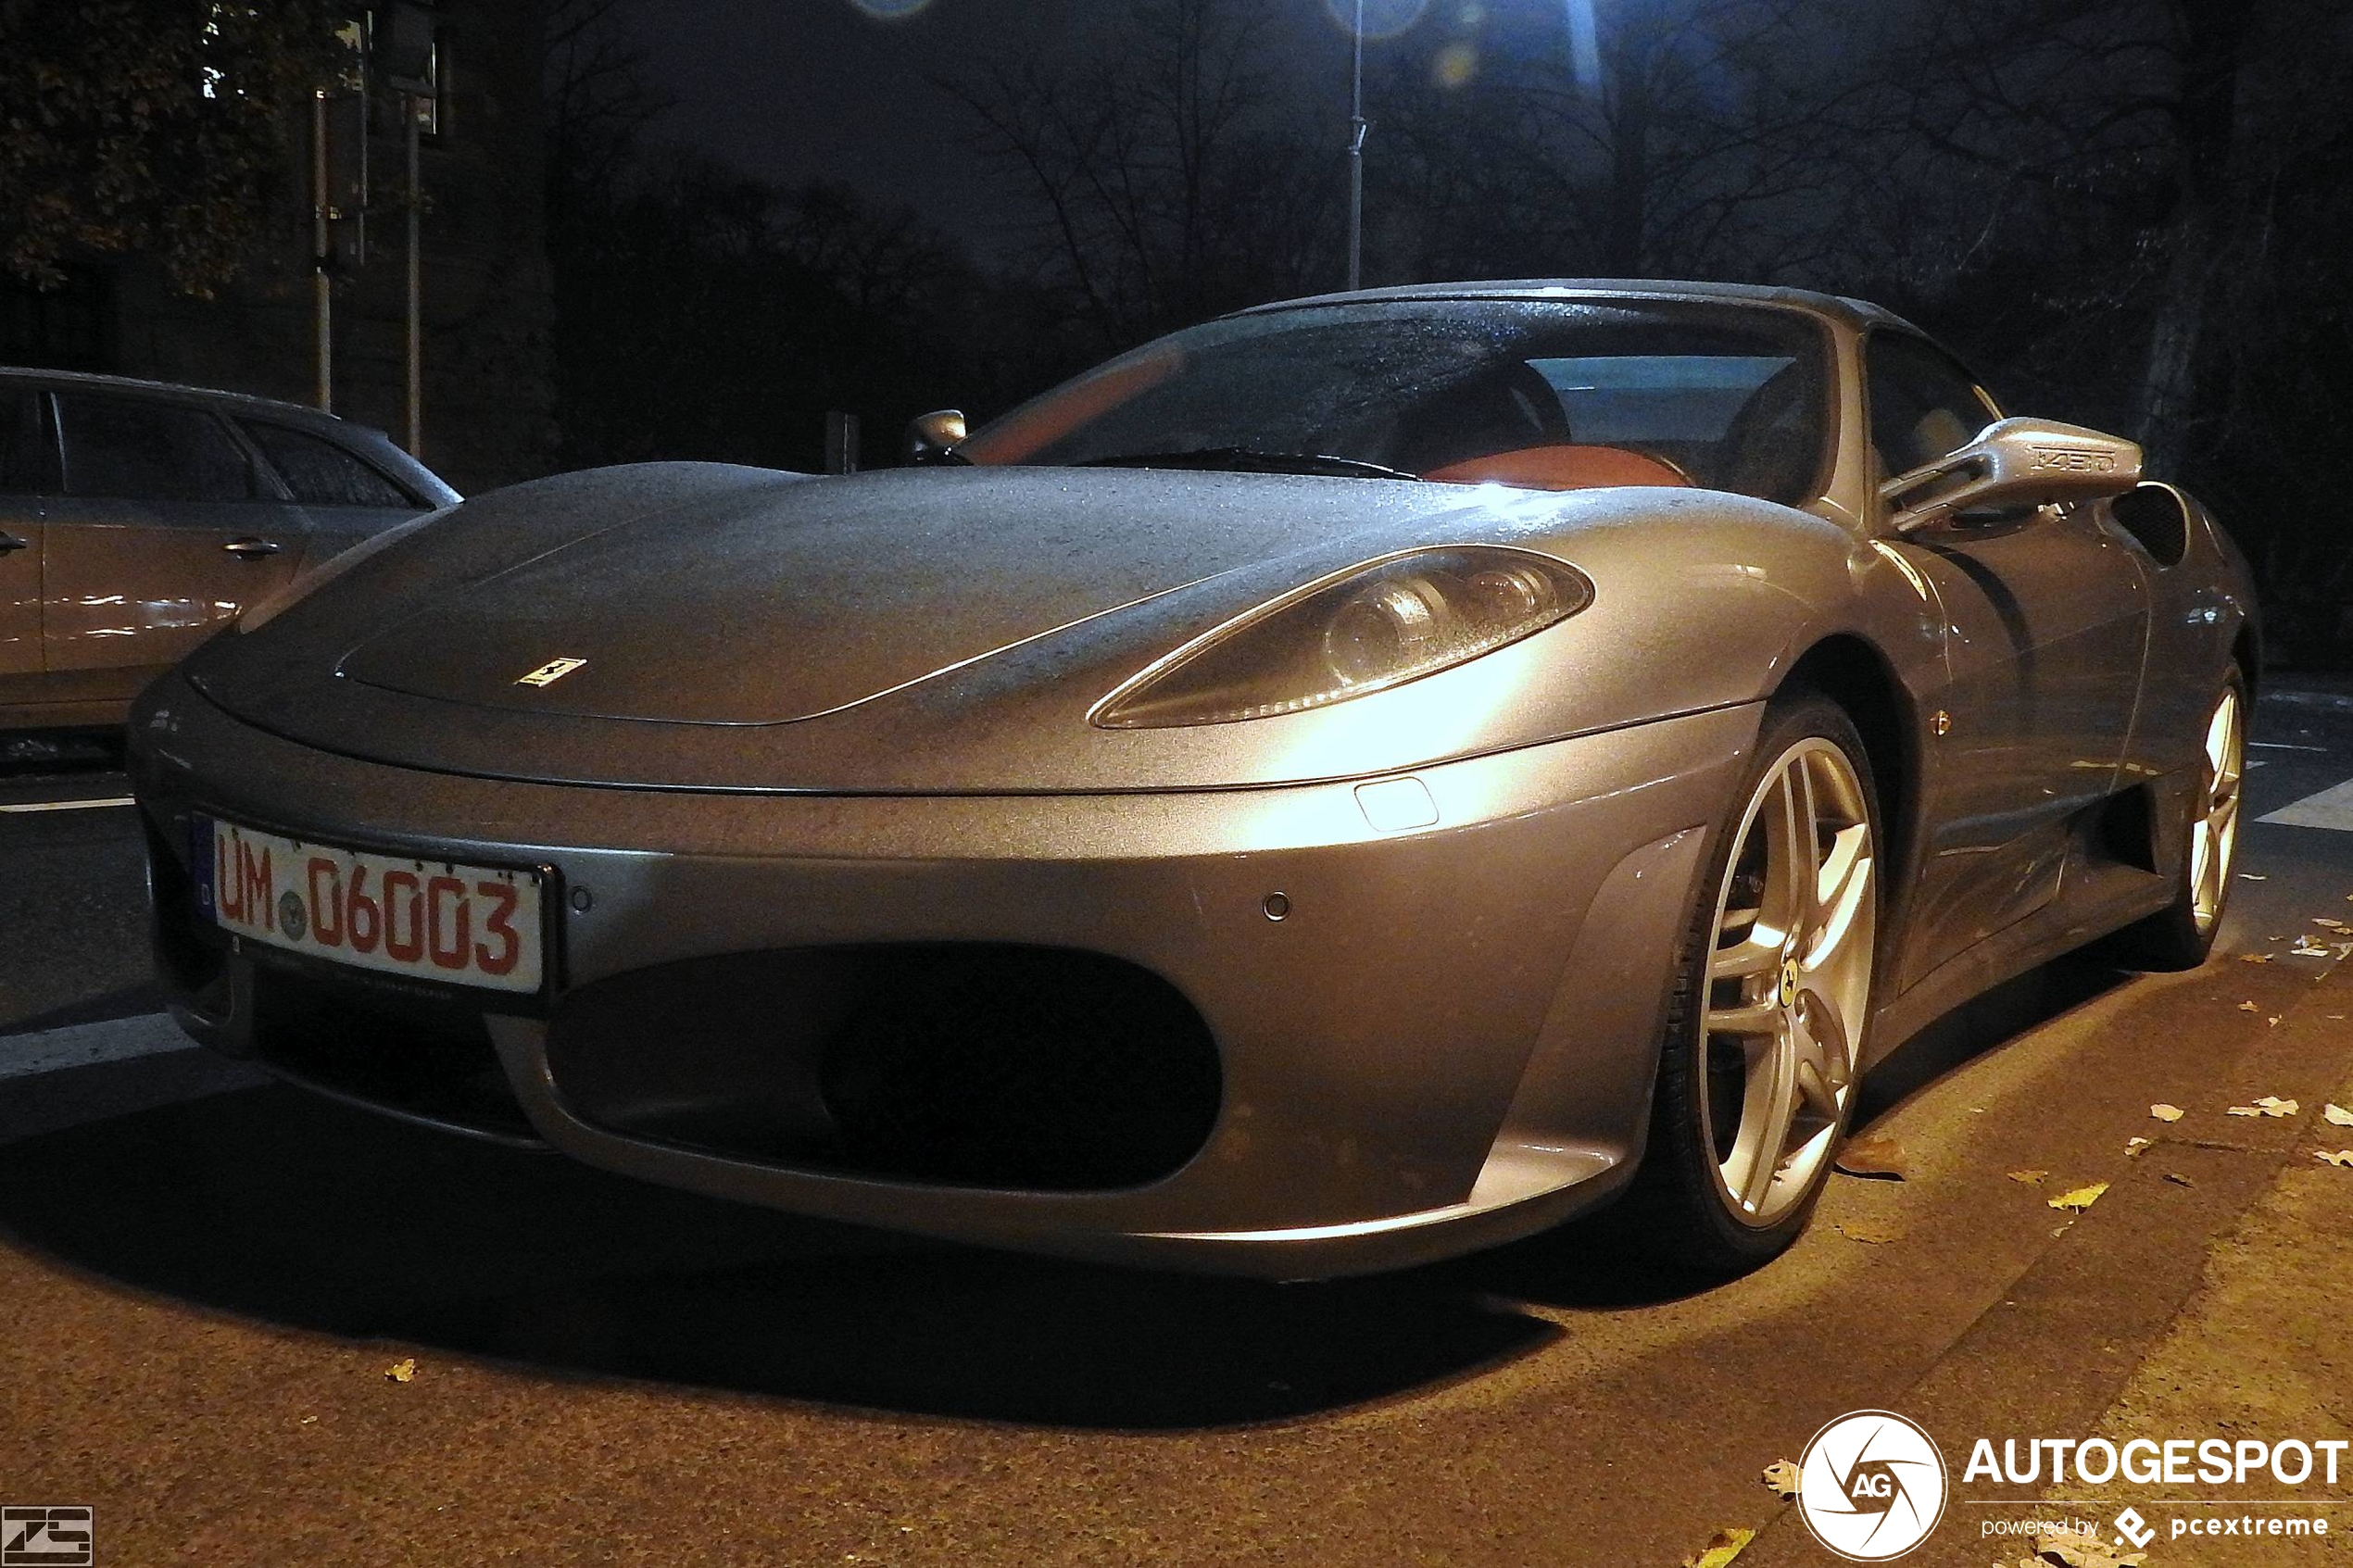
(948, 630)
(788, 602)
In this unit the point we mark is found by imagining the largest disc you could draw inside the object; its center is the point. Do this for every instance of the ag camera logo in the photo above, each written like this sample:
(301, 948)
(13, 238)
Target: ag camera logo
(1871, 1485)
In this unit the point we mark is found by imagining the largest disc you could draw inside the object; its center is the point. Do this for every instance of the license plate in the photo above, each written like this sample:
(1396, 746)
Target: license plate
(429, 919)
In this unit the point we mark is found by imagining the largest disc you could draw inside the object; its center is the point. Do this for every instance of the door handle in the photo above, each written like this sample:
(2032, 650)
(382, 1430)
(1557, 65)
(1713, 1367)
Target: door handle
(9, 542)
(251, 549)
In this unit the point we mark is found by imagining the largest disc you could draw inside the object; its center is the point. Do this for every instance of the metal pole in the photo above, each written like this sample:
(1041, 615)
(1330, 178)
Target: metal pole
(1356, 163)
(321, 243)
(415, 404)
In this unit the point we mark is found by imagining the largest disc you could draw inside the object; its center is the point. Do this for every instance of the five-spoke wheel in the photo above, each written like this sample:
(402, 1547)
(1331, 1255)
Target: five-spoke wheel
(2180, 934)
(1763, 1046)
(1788, 980)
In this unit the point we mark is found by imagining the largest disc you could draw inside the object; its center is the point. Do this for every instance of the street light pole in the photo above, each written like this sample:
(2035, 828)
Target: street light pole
(321, 257)
(1356, 163)
(414, 359)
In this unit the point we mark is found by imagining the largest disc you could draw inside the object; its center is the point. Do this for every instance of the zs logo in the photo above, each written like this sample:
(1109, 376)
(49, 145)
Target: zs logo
(2074, 459)
(44, 1538)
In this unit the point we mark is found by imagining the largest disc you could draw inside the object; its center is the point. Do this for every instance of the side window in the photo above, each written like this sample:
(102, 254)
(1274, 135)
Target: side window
(1923, 405)
(136, 451)
(320, 473)
(24, 466)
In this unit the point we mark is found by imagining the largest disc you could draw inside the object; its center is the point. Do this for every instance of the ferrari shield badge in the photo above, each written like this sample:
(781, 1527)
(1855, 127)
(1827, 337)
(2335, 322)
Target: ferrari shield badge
(550, 673)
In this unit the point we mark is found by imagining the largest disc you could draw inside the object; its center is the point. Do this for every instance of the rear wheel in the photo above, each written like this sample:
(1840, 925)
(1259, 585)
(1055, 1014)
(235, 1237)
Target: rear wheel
(2180, 935)
(1763, 1046)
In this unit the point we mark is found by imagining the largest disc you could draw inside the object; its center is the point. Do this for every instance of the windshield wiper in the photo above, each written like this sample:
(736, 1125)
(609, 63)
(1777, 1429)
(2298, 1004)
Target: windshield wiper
(1249, 459)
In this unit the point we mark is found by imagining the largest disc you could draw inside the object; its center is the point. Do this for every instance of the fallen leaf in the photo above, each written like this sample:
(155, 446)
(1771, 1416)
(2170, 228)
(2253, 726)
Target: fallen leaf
(2274, 1106)
(2332, 924)
(1877, 1155)
(2306, 948)
(2249, 1007)
(2272, 1021)
(2030, 1177)
(2088, 1549)
(2178, 1180)
(1862, 1230)
(2342, 1157)
(2336, 1116)
(2134, 1145)
(2255, 957)
(2071, 1551)
(1782, 1476)
(1727, 1544)
(402, 1370)
(2081, 1199)
(2166, 1112)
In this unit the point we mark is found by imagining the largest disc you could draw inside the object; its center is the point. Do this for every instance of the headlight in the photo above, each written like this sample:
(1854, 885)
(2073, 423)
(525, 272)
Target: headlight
(259, 613)
(1371, 628)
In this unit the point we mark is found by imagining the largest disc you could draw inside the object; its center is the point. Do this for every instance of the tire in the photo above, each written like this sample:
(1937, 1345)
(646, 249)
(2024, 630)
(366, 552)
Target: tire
(2182, 934)
(1761, 1052)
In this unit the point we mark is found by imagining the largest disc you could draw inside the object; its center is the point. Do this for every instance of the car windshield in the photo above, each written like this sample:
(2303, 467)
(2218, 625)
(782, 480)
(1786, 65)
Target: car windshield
(1553, 395)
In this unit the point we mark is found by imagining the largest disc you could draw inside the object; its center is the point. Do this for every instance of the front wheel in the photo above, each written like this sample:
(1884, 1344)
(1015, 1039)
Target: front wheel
(2182, 934)
(1763, 1043)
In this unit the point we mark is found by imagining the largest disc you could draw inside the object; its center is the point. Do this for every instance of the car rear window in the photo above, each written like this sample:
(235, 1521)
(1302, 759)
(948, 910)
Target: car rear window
(320, 473)
(137, 450)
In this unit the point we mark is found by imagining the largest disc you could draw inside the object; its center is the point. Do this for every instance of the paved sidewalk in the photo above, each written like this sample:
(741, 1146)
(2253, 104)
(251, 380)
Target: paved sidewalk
(2208, 1294)
(2264, 1350)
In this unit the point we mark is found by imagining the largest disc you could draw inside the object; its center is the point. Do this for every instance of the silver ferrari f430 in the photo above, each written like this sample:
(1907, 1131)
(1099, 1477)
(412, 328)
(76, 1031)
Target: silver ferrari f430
(1358, 781)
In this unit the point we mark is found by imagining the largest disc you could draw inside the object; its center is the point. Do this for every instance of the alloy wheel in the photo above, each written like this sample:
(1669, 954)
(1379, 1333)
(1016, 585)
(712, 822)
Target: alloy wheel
(1789, 980)
(2214, 830)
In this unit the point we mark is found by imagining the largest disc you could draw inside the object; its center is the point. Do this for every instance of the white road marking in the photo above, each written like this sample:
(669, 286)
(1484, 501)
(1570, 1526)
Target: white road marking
(2283, 746)
(70, 804)
(86, 1044)
(2330, 809)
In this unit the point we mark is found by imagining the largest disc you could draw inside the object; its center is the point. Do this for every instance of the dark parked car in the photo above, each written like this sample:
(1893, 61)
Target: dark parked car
(136, 518)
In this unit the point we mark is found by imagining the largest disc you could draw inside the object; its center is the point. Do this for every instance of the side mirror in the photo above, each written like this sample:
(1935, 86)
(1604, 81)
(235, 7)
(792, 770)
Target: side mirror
(934, 437)
(2014, 462)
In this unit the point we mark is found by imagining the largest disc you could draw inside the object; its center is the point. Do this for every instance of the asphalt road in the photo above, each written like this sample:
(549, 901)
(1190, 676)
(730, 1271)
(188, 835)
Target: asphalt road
(206, 1276)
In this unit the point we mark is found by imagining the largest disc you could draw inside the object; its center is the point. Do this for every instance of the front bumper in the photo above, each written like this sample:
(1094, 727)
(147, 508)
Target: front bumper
(1447, 1040)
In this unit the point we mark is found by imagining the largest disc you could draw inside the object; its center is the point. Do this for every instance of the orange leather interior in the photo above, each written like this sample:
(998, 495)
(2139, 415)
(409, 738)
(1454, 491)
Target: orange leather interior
(1561, 468)
(1090, 397)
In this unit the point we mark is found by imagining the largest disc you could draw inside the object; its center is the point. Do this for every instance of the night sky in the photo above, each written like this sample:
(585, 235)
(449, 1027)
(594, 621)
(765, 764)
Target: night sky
(792, 90)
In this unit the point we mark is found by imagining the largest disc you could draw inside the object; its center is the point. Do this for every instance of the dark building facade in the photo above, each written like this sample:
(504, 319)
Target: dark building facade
(488, 401)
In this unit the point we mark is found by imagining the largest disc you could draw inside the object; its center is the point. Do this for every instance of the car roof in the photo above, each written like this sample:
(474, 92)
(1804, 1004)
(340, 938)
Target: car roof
(246, 401)
(1854, 313)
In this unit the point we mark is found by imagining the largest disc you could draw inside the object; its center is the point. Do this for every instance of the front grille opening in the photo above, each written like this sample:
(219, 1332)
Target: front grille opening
(963, 1064)
(418, 1054)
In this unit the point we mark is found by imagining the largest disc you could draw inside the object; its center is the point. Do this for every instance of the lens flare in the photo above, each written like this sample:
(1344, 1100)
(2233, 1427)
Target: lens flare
(1455, 64)
(1383, 19)
(890, 10)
